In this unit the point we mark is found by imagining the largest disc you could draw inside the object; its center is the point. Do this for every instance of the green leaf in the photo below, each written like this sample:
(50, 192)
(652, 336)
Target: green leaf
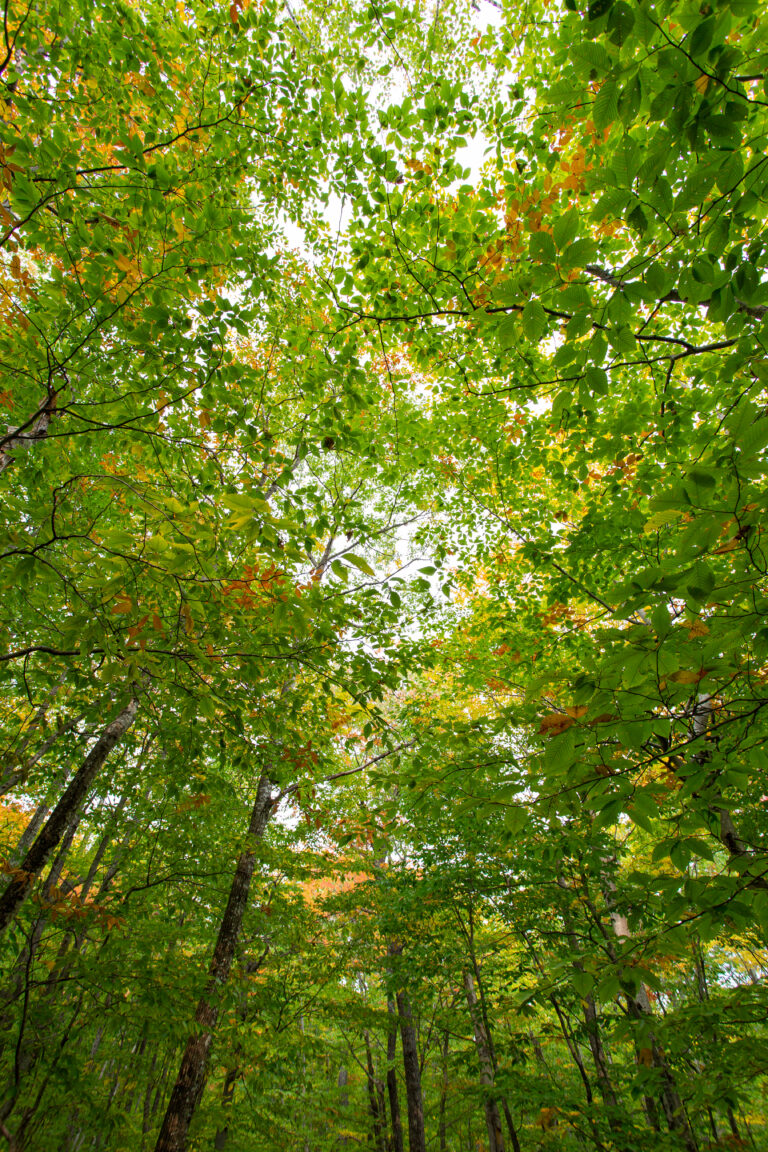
(534, 320)
(606, 106)
(566, 228)
(358, 562)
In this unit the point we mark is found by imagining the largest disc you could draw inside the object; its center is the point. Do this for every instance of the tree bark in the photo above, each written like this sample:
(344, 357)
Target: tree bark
(442, 1131)
(190, 1081)
(415, 1104)
(373, 1097)
(639, 1007)
(490, 1104)
(71, 800)
(394, 1100)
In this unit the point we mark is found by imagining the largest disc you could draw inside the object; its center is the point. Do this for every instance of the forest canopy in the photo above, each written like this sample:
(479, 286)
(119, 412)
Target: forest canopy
(383, 593)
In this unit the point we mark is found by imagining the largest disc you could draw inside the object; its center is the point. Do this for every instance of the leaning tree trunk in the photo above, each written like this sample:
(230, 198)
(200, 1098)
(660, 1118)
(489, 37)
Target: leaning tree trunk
(64, 812)
(194, 1063)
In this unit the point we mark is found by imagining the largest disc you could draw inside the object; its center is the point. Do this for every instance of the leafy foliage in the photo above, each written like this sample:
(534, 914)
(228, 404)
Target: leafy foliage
(433, 537)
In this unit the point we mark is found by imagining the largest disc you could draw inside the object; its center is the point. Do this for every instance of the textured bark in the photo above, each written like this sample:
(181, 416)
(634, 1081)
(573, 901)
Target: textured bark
(592, 1025)
(31, 432)
(56, 824)
(373, 1097)
(413, 1096)
(190, 1081)
(483, 1019)
(490, 1103)
(394, 1099)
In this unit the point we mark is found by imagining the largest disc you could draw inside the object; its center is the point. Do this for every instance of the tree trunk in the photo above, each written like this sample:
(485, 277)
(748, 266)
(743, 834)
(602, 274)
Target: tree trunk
(394, 1100)
(227, 1097)
(342, 1081)
(639, 1007)
(373, 1098)
(486, 1028)
(72, 799)
(38, 819)
(194, 1063)
(416, 1139)
(442, 1131)
(492, 1115)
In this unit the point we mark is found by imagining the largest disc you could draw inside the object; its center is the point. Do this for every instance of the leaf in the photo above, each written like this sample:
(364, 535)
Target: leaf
(659, 519)
(598, 8)
(509, 330)
(579, 254)
(534, 320)
(687, 676)
(621, 21)
(358, 562)
(566, 228)
(555, 723)
(596, 380)
(606, 106)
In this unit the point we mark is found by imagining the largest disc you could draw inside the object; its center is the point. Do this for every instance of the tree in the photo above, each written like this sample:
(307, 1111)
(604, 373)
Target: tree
(434, 543)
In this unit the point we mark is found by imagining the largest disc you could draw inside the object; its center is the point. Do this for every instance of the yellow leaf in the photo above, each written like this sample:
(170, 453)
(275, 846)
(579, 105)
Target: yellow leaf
(685, 676)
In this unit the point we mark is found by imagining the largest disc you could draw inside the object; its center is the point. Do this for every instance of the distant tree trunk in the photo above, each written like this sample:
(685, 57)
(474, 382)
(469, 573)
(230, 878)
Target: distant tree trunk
(394, 1100)
(341, 1082)
(482, 1017)
(416, 1138)
(373, 1098)
(38, 818)
(190, 1081)
(639, 1007)
(490, 1104)
(227, 1097)
(441, 1126)
(64, 812)
(11, 777)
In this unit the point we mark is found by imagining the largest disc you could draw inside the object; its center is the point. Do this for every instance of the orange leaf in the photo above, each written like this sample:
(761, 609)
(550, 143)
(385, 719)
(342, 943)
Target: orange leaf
(555, 723)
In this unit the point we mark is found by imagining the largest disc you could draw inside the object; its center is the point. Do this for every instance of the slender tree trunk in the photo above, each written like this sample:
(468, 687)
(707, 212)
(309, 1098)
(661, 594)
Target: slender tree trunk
(56, 824)
(38, 819)
(194, 1063)
(492, 1115)
(416, 1138)
(640, 1007)
(11, 776)
(19, 777)
(442, 1132)
(484, 1021)
(605, 1084)
(394, 1099)
(373, 1099)
(592, 1025)
(227, 1097)
(341, 1083)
